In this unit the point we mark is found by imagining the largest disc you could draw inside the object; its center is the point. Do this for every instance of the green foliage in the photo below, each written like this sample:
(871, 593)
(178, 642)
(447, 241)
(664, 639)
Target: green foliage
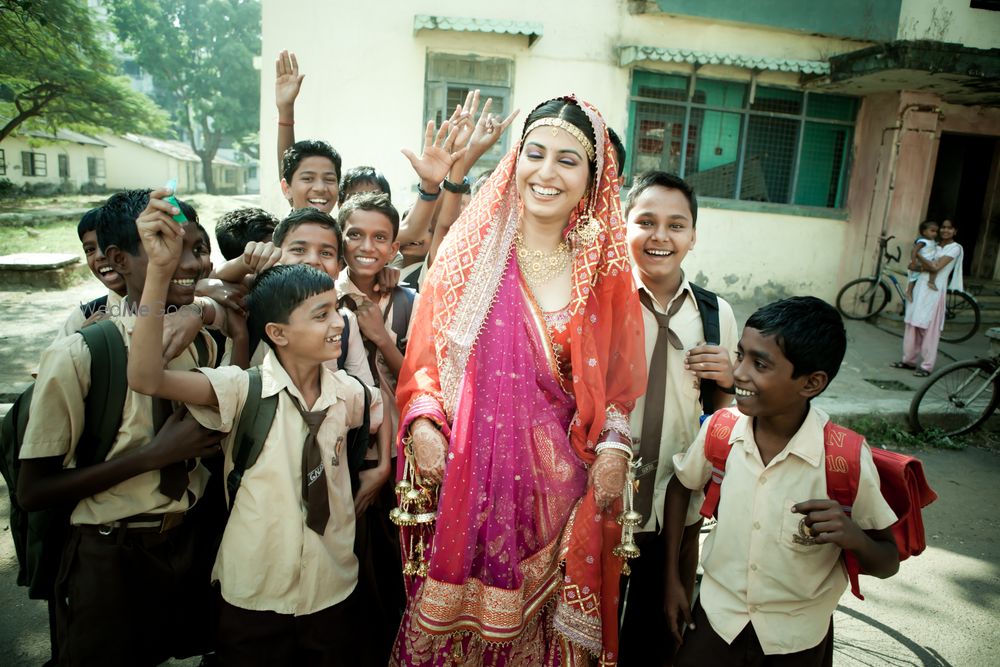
(200, 55)
(892, 434)
(56, 73)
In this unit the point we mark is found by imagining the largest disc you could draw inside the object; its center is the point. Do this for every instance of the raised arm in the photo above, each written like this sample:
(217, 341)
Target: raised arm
(162, 239)
(487, 131)
(287, 83)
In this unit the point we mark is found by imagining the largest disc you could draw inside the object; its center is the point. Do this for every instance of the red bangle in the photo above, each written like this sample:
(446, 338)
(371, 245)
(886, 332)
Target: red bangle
(283, 124)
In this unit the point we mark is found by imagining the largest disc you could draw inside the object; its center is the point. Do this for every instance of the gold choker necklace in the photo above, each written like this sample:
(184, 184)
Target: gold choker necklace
(539, 266)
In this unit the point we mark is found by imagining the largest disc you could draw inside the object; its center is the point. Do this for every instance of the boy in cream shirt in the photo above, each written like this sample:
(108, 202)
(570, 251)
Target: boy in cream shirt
(286, 567)
(764, 593)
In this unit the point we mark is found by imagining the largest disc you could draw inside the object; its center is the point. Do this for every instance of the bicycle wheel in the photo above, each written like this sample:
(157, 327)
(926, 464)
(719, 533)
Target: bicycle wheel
(961, 317)
(957, 398)
(862, 298)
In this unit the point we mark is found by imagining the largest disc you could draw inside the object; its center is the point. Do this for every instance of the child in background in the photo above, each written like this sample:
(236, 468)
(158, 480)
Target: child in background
(772, 566)
(359, 180)
(235, 229)
(286, 567)
(101, 268)
(925, 246)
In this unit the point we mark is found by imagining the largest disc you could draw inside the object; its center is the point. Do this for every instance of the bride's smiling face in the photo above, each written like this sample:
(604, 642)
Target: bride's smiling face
(552, 174)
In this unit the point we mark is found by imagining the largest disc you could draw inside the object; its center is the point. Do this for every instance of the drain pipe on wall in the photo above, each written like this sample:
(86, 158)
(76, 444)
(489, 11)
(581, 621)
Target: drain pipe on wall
(894, 157)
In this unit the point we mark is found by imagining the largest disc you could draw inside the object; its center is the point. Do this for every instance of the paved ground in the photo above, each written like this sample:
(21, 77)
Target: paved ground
(942, 608)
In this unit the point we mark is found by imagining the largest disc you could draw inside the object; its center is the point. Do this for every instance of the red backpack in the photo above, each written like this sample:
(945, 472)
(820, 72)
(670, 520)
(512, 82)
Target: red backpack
(901, 478)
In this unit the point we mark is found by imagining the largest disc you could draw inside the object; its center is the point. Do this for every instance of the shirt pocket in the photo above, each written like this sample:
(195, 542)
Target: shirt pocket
(794, 534)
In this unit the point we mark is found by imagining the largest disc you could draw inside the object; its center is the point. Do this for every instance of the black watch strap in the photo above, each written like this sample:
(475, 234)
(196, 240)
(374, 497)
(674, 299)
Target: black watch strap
(458, 188)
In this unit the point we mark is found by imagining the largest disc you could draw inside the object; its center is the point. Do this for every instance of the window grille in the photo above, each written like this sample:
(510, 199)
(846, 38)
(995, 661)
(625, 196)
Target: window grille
(736, 140)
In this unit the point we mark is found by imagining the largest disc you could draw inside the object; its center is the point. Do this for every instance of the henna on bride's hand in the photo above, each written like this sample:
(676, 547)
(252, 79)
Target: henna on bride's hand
(607, 476)
(429, 450)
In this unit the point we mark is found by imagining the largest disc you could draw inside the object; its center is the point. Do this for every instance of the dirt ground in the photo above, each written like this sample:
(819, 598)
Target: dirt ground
(941, 609)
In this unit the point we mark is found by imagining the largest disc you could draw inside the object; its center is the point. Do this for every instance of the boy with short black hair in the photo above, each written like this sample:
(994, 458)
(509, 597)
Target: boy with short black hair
(99, 266)
(359, 180)
(370, 224)
(286, 567)
(310, 175)
(235, 229)
(772, 566)
(132, 588)
(691, 339)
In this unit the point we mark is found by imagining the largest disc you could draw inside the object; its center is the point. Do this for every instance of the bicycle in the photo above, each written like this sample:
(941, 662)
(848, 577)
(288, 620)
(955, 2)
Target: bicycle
(961, 396)
(864, 298)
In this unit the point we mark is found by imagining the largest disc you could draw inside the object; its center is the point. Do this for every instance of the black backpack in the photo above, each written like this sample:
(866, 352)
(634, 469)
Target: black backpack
(708, 308)
(255, 423)
(39, 536)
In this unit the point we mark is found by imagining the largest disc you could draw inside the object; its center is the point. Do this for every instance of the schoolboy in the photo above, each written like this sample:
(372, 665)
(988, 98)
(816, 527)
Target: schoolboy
(99, 266)
(359, 180)
(235, 229)
(133, 588)
(370, 224)
(286, 567)
(662, 215)
(772, 565)
(310, 175)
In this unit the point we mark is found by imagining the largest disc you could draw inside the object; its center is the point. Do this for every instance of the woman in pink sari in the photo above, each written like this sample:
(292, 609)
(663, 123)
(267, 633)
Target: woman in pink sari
(525, 360)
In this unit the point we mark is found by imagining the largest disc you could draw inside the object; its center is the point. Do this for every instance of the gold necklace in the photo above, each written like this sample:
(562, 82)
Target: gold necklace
(540, 266)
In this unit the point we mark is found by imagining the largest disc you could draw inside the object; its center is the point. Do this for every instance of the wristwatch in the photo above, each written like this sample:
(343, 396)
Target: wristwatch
(458, 188)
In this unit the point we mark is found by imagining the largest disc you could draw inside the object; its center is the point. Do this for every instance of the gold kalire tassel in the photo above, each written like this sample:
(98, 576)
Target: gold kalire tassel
(628, 520)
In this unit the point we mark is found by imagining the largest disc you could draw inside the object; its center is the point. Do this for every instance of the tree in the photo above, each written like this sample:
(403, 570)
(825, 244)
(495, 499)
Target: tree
(200, 55)
(56, 73)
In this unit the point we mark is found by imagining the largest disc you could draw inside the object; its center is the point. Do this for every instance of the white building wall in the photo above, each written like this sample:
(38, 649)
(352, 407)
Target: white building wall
(950, 21)
(364, 93)
(13, 146)
(130, 165)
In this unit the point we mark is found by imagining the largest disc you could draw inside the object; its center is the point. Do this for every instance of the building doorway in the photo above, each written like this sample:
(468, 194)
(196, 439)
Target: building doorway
(965, 191)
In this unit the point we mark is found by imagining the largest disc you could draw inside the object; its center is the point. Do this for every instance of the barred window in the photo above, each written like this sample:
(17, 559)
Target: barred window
(450, 78)
(95, 168)
(34, 164)
(3, 162)
(736, 141)
(63, 165)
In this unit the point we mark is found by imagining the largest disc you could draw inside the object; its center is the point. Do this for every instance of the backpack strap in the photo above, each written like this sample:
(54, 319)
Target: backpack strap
(708, 308)
(720, 427)
(109, 382)
(402, 309)
(251, 432)
(358, 439)
(843, 471)
(345, 341)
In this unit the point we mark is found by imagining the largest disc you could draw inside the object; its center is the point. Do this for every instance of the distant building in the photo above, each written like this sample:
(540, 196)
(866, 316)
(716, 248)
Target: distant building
(46, 163)
(807, 128)
(137, 161)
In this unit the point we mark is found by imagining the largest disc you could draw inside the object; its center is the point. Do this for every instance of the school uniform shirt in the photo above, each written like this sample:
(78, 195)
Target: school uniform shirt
(682, 405)
(56, 424)
(386, 379)
(76, 317)
(754, 572)
(356, 362)
(269, 560)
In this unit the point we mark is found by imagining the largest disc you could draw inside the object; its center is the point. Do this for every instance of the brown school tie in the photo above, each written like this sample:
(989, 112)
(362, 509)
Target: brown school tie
(656, 392)
(174, 477)
(313, 473)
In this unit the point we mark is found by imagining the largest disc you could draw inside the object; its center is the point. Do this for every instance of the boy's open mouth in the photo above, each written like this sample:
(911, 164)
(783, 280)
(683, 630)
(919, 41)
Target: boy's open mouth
(744, 392)
(333, 339)
(659, 253)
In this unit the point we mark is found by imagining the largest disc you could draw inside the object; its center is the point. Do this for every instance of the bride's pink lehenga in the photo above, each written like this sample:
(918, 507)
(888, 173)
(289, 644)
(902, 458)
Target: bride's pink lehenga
(520, 570)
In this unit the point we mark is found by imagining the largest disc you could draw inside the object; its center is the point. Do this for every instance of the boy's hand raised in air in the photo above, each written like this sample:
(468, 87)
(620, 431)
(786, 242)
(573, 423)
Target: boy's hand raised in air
(287, 81)
(487, 132)
(438, 155)
(161, 236)
(710, 362)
